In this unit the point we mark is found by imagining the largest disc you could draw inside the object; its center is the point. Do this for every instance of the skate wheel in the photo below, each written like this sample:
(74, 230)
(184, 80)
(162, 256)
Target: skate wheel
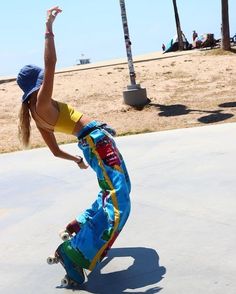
(52, 260)
(64, 235)
(65, 282)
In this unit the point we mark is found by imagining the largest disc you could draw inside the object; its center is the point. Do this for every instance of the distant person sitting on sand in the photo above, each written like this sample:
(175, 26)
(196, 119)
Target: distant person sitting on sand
(94, 231)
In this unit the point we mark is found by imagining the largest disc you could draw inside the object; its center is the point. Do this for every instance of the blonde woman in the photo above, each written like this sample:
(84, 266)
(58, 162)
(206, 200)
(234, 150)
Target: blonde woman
(94, 231)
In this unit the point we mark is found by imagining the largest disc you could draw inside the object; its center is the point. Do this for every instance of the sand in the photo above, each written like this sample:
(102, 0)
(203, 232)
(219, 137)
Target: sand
(190, 90)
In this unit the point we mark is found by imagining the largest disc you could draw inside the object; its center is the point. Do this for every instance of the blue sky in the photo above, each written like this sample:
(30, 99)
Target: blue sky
(94, 28)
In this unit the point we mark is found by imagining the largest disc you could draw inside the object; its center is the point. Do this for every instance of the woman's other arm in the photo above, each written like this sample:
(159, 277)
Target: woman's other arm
(51, 142)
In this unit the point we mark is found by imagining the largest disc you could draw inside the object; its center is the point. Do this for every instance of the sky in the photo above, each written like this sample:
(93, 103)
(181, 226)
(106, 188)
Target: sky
(93, 28)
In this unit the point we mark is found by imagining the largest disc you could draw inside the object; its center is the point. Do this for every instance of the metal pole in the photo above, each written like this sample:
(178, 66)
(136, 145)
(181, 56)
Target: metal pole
(134, 95)
(127, 42)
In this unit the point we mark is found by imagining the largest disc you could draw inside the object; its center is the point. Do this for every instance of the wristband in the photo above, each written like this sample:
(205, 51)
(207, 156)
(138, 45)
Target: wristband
(81, 160)
(49, 34)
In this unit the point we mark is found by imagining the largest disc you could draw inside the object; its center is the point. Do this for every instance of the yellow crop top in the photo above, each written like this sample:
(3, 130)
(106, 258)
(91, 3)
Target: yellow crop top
(67, 119)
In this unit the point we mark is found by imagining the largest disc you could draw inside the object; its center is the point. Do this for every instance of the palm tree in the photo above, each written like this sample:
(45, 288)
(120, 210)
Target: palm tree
(178, 27)
(225, 32)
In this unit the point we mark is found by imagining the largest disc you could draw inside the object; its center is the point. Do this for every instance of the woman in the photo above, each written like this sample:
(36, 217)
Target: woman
(97, 228)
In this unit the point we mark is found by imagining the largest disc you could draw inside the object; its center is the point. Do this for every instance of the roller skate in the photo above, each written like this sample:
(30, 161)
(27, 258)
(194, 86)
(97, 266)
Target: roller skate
(71, 229)
(74, 273)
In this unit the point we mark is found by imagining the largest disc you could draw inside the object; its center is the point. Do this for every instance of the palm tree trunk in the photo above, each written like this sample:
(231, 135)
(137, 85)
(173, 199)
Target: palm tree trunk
(225, 44)
(178, 27)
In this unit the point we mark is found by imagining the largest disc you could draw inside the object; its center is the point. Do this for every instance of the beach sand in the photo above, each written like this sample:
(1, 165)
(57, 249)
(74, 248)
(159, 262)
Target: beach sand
(190, 90)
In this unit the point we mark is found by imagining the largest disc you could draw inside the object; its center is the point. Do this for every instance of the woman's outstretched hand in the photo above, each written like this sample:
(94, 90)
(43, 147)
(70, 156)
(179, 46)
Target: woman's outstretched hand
(51, 15)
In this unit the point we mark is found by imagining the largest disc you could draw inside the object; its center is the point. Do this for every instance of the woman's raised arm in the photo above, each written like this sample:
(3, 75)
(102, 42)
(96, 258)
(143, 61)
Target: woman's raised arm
(50, 59)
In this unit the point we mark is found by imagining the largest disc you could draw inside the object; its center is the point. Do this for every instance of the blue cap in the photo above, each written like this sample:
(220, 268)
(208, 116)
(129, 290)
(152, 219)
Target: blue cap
(30, 79)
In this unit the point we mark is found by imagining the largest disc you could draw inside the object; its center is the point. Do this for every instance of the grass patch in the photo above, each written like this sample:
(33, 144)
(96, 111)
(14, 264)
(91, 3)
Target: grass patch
(135, 132)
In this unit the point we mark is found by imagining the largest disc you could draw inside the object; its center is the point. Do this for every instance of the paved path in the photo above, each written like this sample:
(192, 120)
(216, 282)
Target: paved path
(180, 237)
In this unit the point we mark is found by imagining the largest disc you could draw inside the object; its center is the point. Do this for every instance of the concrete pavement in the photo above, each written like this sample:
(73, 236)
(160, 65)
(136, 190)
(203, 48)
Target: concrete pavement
(180, 237)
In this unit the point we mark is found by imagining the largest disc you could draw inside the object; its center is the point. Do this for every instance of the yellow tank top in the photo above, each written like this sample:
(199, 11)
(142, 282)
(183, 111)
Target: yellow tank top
(68, 117)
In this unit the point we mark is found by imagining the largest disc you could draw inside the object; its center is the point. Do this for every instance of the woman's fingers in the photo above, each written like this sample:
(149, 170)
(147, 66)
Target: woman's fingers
(54, 11)
(55, 8)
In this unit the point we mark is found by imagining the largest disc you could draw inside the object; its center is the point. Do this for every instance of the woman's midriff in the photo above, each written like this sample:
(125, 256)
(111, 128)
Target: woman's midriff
(80, 124)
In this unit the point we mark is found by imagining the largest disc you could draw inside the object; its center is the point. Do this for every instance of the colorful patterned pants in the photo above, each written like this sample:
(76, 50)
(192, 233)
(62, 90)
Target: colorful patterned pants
(103, 221)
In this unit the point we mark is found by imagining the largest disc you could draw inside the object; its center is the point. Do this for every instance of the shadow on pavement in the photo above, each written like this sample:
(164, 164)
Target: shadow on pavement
(144, 271)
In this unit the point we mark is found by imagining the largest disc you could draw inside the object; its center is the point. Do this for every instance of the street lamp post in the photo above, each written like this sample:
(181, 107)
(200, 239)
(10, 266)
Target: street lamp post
(134, 95)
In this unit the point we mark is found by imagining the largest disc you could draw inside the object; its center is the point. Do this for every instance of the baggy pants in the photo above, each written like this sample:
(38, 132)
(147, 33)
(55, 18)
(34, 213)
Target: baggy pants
(102, 222)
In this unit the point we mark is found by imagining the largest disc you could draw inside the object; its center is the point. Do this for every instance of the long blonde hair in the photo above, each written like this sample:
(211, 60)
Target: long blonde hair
(24, 125)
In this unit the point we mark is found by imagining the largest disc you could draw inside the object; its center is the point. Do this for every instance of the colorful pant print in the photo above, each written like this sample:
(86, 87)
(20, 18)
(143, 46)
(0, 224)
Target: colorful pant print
(103, 221)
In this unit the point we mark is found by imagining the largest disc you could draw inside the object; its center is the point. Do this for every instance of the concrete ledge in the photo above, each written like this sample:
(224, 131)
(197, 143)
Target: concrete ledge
(7, 80)
(113, 62)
